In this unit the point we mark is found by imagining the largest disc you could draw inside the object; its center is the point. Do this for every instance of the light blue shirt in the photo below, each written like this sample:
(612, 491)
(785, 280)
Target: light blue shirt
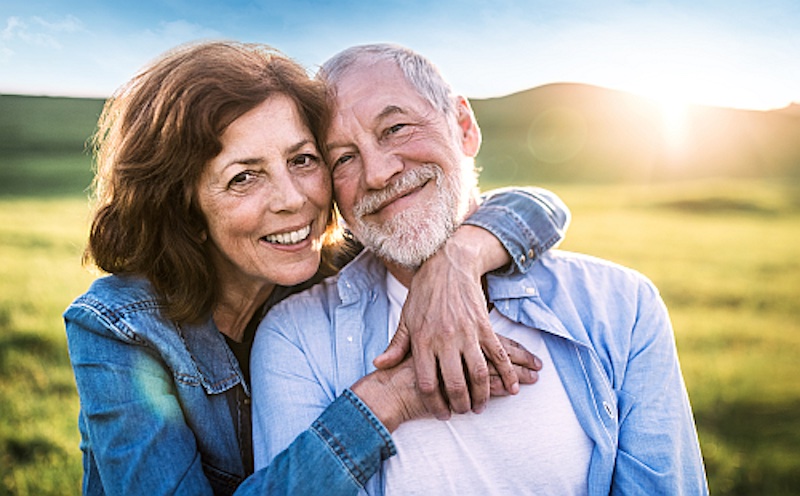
(605, 326)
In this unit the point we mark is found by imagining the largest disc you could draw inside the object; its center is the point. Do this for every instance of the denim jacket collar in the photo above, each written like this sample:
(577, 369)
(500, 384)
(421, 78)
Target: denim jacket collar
(131, 302)
(216, 364)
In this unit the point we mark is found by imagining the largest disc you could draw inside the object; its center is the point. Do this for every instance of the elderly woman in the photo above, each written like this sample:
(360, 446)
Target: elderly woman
(214, 203)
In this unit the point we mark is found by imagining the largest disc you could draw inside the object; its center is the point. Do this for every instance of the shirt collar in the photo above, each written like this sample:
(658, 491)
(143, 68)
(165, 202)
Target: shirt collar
(362, 275)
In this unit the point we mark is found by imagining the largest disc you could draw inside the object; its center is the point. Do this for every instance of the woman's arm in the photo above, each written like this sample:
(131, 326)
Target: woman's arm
(307, 437)
(337, 454)
(135, 437)
(445, 320)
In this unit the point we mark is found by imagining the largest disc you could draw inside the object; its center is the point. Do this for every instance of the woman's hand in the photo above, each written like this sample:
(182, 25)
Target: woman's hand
(445, 325)
(392, 394)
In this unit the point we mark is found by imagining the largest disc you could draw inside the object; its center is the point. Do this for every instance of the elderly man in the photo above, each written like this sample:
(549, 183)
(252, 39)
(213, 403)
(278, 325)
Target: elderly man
(609, 413)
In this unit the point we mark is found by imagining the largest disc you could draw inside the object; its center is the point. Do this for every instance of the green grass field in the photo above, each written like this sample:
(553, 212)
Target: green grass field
(724, 254)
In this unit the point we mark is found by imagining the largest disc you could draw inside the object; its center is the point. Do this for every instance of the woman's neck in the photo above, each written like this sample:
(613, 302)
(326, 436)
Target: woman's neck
(236, 307)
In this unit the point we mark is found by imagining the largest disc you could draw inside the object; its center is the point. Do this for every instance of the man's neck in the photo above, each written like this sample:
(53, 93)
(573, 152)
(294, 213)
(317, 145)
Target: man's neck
(401, 273)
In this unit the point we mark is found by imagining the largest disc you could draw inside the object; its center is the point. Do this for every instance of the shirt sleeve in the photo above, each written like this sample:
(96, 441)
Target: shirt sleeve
(527, 221)
(658, 450)
(307, 440)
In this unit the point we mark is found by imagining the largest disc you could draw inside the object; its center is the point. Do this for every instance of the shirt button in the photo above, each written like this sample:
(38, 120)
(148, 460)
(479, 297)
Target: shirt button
(608, 408)
(522, 259)
(530, 291)
(531, 253)
(349, 339)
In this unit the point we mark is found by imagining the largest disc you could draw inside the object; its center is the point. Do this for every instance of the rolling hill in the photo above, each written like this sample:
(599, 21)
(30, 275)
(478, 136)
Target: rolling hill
(557, 132)
(575, 132)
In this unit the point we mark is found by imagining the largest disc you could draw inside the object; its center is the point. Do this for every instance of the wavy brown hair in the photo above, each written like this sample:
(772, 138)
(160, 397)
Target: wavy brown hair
(154, 138)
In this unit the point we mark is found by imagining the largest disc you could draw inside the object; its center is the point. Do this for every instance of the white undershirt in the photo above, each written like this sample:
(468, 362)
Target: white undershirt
(530, 443)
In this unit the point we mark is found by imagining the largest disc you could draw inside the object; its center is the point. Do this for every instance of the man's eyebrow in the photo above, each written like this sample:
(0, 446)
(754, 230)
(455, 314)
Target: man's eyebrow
(389, 110)
(386, 112)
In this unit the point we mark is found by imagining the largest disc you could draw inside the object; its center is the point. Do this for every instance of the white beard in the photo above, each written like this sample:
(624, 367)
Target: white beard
(413, 235)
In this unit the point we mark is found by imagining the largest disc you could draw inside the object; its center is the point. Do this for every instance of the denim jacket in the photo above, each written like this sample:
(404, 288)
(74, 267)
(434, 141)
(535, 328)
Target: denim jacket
(165, 408)
(605, 327)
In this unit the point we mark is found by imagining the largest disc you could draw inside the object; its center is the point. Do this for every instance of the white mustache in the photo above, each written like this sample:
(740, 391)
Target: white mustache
(404, 184)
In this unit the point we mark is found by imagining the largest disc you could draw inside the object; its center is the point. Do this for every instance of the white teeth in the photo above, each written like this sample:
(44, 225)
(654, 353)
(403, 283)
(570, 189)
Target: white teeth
(289, 238)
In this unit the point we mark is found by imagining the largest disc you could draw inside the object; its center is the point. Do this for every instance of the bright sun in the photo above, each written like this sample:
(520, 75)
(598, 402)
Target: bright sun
(674, 122)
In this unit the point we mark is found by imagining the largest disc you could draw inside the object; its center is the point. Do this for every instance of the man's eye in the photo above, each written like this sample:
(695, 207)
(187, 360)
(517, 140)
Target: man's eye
(394, 129)
(342, 160)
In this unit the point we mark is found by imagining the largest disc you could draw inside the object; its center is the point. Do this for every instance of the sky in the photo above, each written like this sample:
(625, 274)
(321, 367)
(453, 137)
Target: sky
(734, 53)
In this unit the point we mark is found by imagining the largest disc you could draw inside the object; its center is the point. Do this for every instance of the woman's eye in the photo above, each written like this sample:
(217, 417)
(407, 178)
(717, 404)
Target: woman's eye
(305, 160)
(240, 179)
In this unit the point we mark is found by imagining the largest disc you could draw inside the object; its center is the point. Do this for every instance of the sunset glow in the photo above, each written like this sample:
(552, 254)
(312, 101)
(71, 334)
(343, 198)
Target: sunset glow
(674, 122)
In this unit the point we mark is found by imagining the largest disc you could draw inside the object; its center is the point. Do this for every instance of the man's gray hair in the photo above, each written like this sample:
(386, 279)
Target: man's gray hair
(420, 72)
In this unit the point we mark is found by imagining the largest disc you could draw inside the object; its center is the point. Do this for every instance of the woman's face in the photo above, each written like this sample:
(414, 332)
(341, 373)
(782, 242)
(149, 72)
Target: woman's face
(266, 199)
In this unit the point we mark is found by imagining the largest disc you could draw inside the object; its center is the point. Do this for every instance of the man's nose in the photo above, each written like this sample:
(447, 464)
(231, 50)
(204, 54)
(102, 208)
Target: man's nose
(380, 166)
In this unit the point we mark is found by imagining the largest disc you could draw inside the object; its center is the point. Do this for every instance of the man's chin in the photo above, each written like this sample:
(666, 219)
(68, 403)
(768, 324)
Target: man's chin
(410, 237)
(410, 249)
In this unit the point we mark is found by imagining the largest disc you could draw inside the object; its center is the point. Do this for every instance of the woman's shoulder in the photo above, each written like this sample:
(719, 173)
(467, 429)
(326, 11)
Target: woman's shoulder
(120, 303)
(119, 293)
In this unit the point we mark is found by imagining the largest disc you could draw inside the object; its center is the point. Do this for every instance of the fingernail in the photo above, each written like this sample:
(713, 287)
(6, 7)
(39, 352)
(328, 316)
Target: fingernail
(514, 388)
(537, 362)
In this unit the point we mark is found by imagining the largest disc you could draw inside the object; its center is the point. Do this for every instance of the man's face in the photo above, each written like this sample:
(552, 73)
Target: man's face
(400, 175)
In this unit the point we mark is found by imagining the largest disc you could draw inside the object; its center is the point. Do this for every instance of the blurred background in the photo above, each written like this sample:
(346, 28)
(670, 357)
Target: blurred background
(671, 129)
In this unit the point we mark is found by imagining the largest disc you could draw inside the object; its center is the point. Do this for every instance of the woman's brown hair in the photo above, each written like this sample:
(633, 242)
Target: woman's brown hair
(154, 138)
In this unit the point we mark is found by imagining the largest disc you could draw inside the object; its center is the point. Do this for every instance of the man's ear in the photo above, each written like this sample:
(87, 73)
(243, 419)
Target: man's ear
(469, 132)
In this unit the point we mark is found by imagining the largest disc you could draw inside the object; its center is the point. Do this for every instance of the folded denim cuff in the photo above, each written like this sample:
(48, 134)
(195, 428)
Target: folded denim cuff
(524, 242)
(355, 435)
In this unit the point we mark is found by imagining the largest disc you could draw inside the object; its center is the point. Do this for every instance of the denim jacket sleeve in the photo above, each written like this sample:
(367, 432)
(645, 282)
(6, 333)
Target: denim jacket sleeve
(527, 221)
(341, 450)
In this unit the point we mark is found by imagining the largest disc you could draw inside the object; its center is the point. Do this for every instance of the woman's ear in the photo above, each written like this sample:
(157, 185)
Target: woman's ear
(469, 132)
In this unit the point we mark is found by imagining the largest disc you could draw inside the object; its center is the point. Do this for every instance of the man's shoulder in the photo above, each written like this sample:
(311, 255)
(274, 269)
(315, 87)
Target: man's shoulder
(316, 305)
(317, 298)
(575, 275)
(566, 263)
